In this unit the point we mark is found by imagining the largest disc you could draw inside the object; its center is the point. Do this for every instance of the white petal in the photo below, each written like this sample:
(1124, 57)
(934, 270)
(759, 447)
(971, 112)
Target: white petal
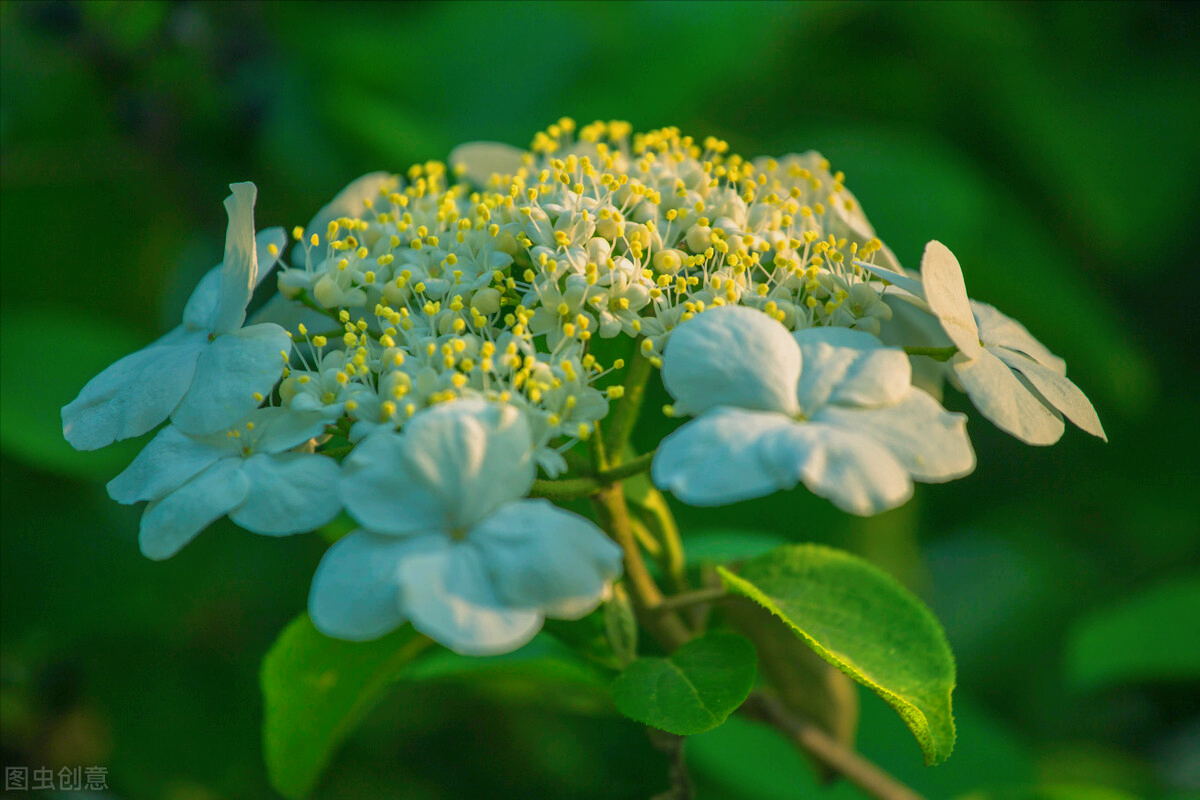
(996, 328)
(551, 461)
(942, 279)
(289, 493)
(134, 394)
(849, 368)
(200, 313)
(282, 429)
(171, 459)
(381, 492)
(479, 160)
(289, 314)
(930, 442)
(858, 475)
(355, 591)
(449, 597)
(540, 556)
(895, 277)
(170, 523)
(262, 249)
(913, 323)
(239, 270)
(718, 458)
(230, 370)
(732, 356)
(1004, 399)
(346, 203)
(474, 455)
(1057, 389)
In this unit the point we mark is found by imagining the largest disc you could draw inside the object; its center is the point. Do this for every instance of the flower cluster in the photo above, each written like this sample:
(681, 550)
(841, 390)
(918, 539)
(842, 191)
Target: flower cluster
(434, 342)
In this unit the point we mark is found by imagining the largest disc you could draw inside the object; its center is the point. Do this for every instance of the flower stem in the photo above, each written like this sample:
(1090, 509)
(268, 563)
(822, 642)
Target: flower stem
(627, 469)
(575, 488)
(625, 415)
(830, 752)
(936, 353)
(690, 599)
(613, 516)
(566, 489)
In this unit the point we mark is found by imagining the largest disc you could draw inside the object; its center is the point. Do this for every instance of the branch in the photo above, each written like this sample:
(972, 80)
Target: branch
(677, 602)
(623, 417)
(613, 516)
(575, 488)
(627, 469)
(837, 757)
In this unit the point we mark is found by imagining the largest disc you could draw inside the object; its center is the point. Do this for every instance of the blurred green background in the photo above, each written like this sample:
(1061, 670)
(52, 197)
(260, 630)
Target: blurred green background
(1053, 147)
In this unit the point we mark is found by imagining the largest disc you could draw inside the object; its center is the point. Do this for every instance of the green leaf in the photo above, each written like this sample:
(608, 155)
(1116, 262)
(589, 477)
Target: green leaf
(730, 544)
(692, 690)
(805, 683)
(316, 690)
(866, 624)
(1144, 637)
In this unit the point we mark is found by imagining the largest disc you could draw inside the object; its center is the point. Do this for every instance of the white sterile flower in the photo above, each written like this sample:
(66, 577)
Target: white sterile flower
(207, 373)
(1010, 376)
(828, 407)
(448, 543)
(244, 472)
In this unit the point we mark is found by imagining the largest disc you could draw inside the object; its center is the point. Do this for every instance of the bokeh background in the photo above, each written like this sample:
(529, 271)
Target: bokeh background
(1053, 147)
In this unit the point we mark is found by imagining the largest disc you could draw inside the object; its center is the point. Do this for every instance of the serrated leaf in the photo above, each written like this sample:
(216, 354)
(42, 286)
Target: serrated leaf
(805, 682)
(691, 691)
(316, 690)
(866, 624)
(1154, 635)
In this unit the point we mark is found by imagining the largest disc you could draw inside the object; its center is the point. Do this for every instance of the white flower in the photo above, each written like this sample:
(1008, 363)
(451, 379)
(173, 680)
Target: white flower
(1010, 376)
(827, 406)
(449, 544)
(207, 373)
(244, 472)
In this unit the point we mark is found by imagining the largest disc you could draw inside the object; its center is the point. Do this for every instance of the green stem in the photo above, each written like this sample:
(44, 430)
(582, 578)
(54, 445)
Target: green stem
(661, 523)
(566, 489)
(613, 516)
(597, 451)
(936, 353)
(646, 539)
(833, 754)
(627, 469)
(678, 602)
(575, 488)
(625, 415)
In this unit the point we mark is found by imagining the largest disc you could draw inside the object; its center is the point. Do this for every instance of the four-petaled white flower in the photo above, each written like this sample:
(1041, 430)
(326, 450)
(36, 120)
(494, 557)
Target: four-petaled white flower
(448, 543)
(245, 472)
(207, 373)
(829, 407)
(1011, 377)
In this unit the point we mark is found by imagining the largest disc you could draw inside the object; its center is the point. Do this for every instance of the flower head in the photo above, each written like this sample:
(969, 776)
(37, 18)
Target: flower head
(207, 373)
(448, 543)
(1011, 377)
(828, 407)
(250, 472)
